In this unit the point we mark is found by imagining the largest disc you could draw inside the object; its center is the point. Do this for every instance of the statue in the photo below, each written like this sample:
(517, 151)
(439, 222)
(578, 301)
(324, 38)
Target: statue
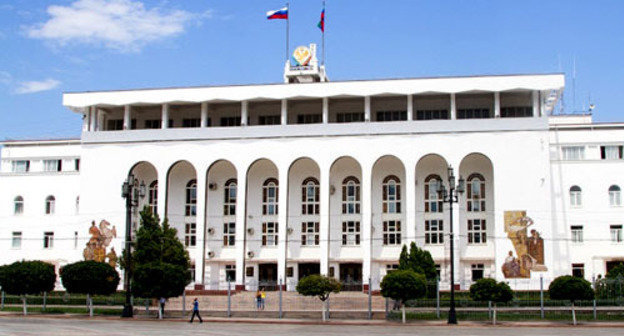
(112, 257)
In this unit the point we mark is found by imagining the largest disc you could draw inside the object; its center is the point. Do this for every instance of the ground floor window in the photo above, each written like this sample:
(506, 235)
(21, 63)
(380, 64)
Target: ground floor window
(230, 273)
(578, 270)
(477, 271)
(391, 267)
(476, 231)
(309, 233)
(616, 233)
(269, 233)
(392, 232)
(434, 231)
(48, 240)
(438, 268)
(190, 234)
(16, 241)
(229, 234)
(351, 233)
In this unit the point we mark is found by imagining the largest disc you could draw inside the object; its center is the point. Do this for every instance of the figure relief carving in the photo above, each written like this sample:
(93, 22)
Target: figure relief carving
(529, 250)
(101, 238)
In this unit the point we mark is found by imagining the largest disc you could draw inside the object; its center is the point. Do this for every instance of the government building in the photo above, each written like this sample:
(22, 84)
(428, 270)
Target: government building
(268, 183)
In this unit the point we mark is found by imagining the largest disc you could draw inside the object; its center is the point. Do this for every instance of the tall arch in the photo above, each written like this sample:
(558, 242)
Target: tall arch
(144, 173)
(181, 202)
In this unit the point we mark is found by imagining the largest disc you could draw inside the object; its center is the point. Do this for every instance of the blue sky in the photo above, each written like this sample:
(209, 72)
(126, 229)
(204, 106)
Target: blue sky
(52, 46)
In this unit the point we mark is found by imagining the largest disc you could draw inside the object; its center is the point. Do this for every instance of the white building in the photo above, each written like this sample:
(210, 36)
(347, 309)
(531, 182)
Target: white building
(271, 182)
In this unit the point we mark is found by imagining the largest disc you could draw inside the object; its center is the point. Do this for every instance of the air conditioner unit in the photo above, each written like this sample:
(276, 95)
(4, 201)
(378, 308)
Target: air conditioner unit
(250, 231)
(211, 254)
(250, 254)
(212, 186)
(211, 231)
(290, 231)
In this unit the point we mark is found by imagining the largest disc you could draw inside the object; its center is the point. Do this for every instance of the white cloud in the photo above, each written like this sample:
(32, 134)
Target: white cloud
(37, 86)
(123, 25)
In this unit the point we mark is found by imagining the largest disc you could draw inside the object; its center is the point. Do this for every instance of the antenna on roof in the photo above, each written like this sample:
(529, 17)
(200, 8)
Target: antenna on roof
(574, 84)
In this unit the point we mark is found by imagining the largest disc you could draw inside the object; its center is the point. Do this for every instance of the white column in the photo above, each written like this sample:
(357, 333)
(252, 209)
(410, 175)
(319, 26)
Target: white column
(366, 225)
(324, 219)
(282, 219)
(497, 105)
(536, 106)
(165, 116)
(204, 115)
(453, 107)
(85, 119)
(200, 225)
(325, 110)
(457, 223)
(410, 107)
(244, 112)
(162, 193)
(92, 118)
(367, 108)
(410, 202)
(284, 112)
(127, 123)
(241, 230)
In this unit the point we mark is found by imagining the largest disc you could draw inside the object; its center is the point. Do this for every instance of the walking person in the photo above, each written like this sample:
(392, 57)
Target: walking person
(162, 306)
(196, 312)
(262, 298)
(258, 299)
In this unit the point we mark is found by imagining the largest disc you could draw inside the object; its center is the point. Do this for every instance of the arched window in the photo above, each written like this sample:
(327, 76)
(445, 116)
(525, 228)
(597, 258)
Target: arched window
(351, 195)
(229, 198)
(18, 205)
(433, 203)
(152, 197)
(190, 208)
(269, 197)
(615, 198)
(391, 195)
(576, 199)
(310, 196)
(49, 205)
(475, 193)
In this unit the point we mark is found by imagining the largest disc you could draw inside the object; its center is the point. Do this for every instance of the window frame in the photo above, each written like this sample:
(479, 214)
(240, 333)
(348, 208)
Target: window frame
(351, 204)
(576, 234)
(50, 205)
(152, 197)
(229, 200)
(392, 232)
(48, 240)
(229, 234)
(16, 236)
(310, 231)
(616, 233)
(391, 201)
(190, 199)
(434, 228)
(576, 196)
(477, 228)
(615, 195)
(351, 233)
(310, 203)
(270, 203)
(18, 205)
(270, 234)
(432, 199)
(190, 234)
(478, 202)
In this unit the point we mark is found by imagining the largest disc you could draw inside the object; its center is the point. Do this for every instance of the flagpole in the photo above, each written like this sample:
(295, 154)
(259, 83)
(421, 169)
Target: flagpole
(287, 30)
(324, 13)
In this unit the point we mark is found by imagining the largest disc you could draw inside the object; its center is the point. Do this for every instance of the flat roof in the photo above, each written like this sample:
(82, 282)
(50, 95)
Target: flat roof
(336, 89)
(34, 142)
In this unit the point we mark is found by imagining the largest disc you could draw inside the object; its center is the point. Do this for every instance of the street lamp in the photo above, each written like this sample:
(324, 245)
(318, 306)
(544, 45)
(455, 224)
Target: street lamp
(131, 190)
(451, 196)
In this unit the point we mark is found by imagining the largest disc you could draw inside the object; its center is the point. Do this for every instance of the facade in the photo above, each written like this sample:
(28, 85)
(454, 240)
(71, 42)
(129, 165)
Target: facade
(268, 183)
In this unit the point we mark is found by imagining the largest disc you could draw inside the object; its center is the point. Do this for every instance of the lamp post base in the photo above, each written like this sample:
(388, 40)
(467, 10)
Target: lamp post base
(127, 311)
(452, 317)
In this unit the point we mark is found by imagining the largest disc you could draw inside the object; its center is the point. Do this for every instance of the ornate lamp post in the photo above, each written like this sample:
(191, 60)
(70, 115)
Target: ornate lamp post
(450, 196)
(131, 191)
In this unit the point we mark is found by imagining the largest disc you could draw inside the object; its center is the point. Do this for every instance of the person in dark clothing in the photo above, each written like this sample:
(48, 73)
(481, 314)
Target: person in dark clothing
(196, 312)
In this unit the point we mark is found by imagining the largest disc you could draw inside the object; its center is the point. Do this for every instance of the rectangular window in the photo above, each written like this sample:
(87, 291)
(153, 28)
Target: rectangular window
(270, 120)
(431, 114)
(350, 233)
(190, 123)
(229, 234)
(229, 199)
(434, 231)
(392, 232)
(476, 231)
(349, 117)
(438, 268)
(115, 125)
(616, 233)
(310, 233)
(190, 234)
(477, 271)
(269, 233)
(391, 115)
(153, 124)
(77, 164)
(473, 113)
(516, 111)
(573, 152)
(52, 165)
(578, 270)
(309, 119)
(611, 152)
(391, 267)
(230, 273)
(230, 121)
(20, 166)
(577, 233)
(16, 241)
(48, 240)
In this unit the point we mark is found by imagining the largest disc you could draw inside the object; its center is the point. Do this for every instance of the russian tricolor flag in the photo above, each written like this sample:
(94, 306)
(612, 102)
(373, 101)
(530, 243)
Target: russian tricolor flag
(278, 14)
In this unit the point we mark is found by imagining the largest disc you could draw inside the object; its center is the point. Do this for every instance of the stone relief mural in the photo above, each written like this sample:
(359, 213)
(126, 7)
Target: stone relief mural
(98, 243)
(528, 246)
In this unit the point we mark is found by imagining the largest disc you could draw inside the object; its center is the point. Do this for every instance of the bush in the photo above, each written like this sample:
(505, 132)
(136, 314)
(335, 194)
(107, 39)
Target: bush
(318, 285)
(403, 285)
(90, 277)
(27, 277)
(490, 290)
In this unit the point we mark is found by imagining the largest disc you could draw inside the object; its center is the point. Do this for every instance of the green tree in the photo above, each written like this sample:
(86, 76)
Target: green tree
(28, 277)
(419, 261)
(490, 290)
(318, 285)
(616, 272)
(403, 285)
(91, 278)
(570, 288)
(160, 262)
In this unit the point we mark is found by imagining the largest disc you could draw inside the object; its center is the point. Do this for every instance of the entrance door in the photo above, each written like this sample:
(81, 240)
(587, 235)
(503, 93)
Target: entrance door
(351, 276)
(306, 269)
(267, 276)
